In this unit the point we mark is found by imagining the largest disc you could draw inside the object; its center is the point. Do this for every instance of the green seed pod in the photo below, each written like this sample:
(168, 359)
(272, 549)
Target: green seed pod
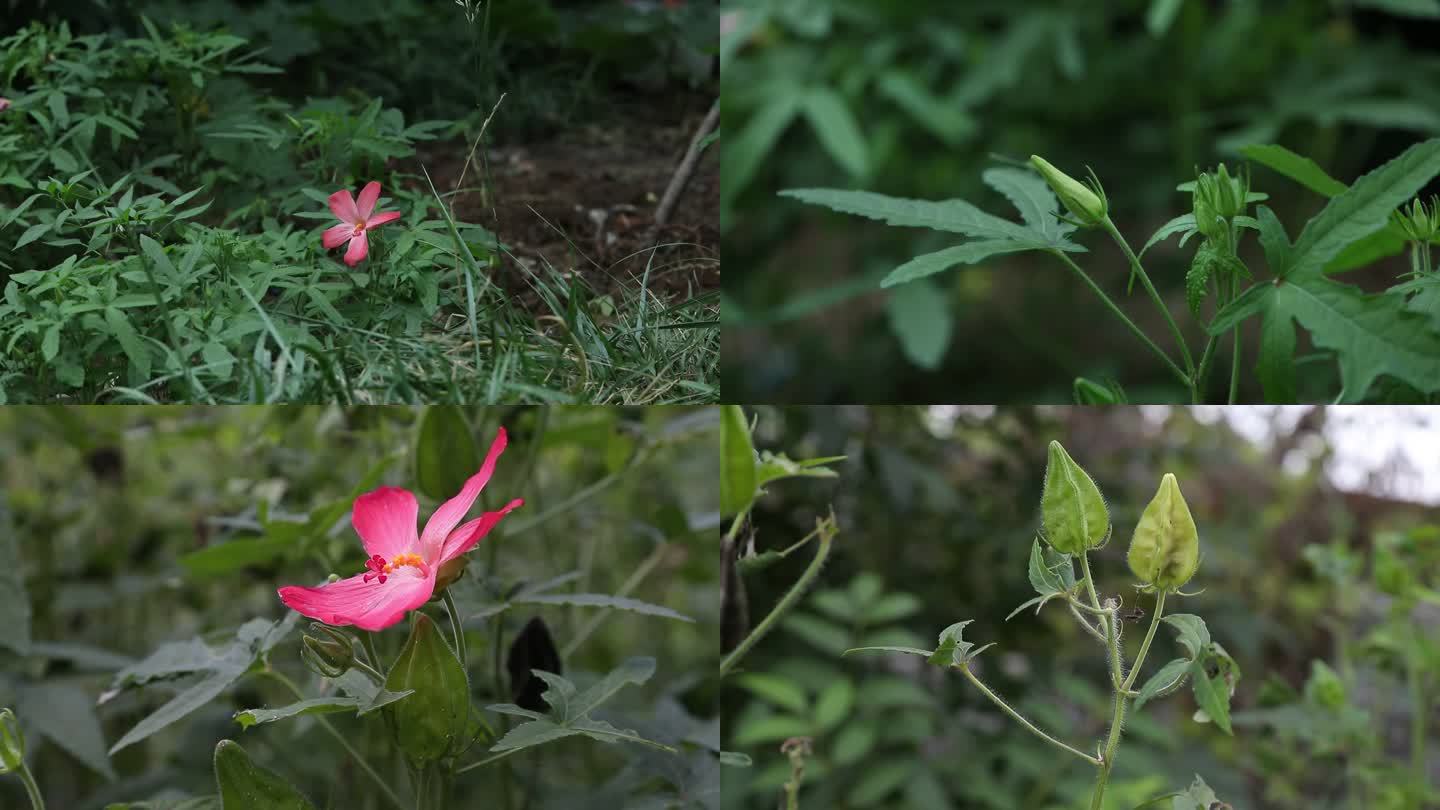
(243, 784)
(436, 721)
(1165, 550)
(1085, 203)
(1072, 510)
(12, 742)
(329, 656)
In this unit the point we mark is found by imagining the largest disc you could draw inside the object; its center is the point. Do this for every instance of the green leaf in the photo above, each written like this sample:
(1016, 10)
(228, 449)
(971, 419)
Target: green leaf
(1191, 632)
(129, 341)
(1274, 241)
(1423, 9)
(836, 129)
(942, 260)
(445, 454)
(163, 267)
(1276, 364)
(737, 462)
(1363, 208)
(65, 713)
(1251, 302)
(921, 321)
(233, 555)
(776, 466)
(777, 690)
(436, 721)
(1169, 678)
(955, 216)
(834, 704)
(326, 705)
(1032, 197)
(14, 603)
(743, 154)
(244, 785)
(600, 600)
(1211, 695)
(1299, 168)
(1372, 335)
(944, 120)
(1198, 797)
(31, 234)
(1180, 224)
(570, 710)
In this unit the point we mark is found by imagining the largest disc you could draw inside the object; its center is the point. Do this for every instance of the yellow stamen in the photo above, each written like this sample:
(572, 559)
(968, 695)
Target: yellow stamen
(402, 560)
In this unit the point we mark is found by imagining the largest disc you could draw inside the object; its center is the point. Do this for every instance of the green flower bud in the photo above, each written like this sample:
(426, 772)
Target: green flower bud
(1084, 202)
(1072, 510)
(1219, 198)
(1324, 687)
(12, 742)
(1165, 550)
(329, 657)
(1419, 223)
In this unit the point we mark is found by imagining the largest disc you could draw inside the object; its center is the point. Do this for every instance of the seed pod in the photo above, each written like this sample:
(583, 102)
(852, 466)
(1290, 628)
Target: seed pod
(1165, 550)
(1085, 203)
(1072, 510)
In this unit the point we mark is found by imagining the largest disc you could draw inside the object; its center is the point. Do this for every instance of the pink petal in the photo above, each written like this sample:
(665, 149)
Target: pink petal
(432, 540)
(385, 520)
(358, 250)
(464, 538)
(335, 235)
(367, 605)
(368, 195)
(380, 219)
(342, 205)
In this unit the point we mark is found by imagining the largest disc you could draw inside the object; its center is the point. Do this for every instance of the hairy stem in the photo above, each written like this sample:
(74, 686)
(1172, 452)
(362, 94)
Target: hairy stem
(826, 530)
(1122, 702)
(1084, 622)
(1020, 718)
(1137, 331)
(31, 788)
(1150, 288)
(1145, 645)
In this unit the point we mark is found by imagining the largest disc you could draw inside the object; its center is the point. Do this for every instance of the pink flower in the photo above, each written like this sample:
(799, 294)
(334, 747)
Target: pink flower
(4, 104)
(355, 221)
(402, 566)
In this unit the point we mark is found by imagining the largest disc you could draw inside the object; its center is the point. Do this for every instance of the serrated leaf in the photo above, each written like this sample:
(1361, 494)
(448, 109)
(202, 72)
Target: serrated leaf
(1371, 335)
(1299, 168)
(1032, 197)
(941, 260)
(1191, 632)
(1212, 695)
(1364, 207)
(600, 600)
(1180, 224)
(571, 709)
(777, 466)
(1276, 364)
(1169, 678)
(1197, 278)
(1252, 301)
(65, 713)
(955, 216)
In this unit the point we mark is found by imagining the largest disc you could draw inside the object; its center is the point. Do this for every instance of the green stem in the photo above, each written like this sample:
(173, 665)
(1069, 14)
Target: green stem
(629, 585)
(31, 788)
(455, 627)
(1235, 355)
(1138, 332)
(488, 760)
(1145, 645)
(1084, 622)
(1150, 288)
(1019, 718)
(368, 642)
(827, 530)
(1122, 702)
(344, 743)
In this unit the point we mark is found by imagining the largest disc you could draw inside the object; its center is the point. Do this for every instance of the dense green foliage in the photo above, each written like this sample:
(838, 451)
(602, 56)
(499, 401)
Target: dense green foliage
(163, 186)
(140, 625)
(932, 116)
(1324, 599)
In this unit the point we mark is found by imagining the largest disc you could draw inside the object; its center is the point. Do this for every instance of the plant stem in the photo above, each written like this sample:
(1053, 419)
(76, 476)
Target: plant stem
(1150, 288)
(368, 642)
(489, 760)
(1019, 718)
(1145, 645)
(455, 625)
(1084, 622)
(1122, 700)
(31, 788)
(1138, 332)
(344, 743)
(827, 530)
(629, 585)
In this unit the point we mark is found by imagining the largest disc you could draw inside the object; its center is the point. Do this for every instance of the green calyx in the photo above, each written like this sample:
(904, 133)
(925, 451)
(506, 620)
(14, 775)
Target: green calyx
(1419, 222)
(1218, 198)
(1165, 550)
(329, 652)
(1072, 511)
(12, 742)
(1086, 203)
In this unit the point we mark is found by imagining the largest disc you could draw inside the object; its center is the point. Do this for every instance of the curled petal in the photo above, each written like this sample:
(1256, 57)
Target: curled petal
(368, 195)
(385, 520)
(342, 205)
(464, 538)
(380, 219)
(366, 605)
(358, 250)
(432, 540)
(336, 235)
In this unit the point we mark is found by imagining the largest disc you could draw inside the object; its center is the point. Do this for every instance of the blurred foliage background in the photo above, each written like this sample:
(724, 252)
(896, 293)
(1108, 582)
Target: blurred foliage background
(901, 99)
(1325, 597)
(130, 527)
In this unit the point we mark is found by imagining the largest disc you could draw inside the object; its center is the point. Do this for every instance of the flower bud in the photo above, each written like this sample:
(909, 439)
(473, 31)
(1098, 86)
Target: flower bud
(1165, 550)
(1072, 510)
(1419, 223)
(12, 742)
(449, 572)
(329, 657)
(1086, 203)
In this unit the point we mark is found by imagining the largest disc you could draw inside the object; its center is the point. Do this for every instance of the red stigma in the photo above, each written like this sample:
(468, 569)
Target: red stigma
(376, 564)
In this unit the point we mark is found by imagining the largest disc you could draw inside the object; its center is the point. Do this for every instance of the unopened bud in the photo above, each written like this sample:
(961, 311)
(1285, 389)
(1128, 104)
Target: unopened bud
(331, 655)
(449, 572)
(1085, 202)
(1072, 510)
(12, 742)
(1165, 550)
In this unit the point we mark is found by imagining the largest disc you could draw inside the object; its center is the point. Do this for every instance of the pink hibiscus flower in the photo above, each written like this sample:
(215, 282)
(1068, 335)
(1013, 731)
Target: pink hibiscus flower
(355, 221)
(402, 565)
(4, 104)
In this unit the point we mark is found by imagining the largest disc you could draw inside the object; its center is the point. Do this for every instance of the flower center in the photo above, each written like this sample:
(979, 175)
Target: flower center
(379, 569)
(359, 227)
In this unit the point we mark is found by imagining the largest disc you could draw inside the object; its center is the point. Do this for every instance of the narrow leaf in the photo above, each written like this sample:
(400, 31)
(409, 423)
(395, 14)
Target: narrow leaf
(942, 260)
(1299, 168)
